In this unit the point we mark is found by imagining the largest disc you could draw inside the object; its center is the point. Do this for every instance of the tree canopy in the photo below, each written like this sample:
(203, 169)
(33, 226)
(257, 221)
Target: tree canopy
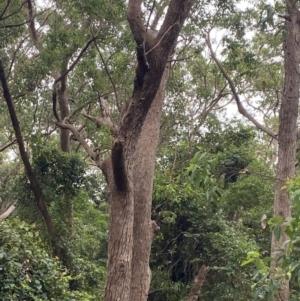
(149, 150)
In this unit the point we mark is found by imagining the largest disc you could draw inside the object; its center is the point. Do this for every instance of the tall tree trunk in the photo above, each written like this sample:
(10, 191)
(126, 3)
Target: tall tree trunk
(120, 244)
(144, 228)
(152, 56)
(287, 136)
(67, 207)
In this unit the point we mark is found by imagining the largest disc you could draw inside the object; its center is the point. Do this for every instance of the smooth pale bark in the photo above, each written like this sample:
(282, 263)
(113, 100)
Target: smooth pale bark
(144, 228)
(287, 135)
(7, 212)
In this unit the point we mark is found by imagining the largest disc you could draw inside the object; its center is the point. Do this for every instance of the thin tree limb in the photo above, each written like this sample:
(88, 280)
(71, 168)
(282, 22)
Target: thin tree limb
(63, 76)
(241, 108)
(15, 25)
(8, 145)
(109, 76)
(164, 34)
(5, 9)
(36, 189)
(83, 50)
(2, 14)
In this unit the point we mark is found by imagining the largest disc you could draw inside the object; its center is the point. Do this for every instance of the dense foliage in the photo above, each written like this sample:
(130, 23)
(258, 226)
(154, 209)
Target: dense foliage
(215, 171)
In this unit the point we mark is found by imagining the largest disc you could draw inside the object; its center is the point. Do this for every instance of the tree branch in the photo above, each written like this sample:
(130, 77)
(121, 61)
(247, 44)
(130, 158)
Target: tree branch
(31, 26)
(241, 108)
(64, 74)
(8, 145)
(177, 13)
(94, 156)
(197, 284)
(36, 189)
(109, 76)
(99, 121)
(8, 212)
(5, 9)
(13, 13)
(14, 25)
(135, 21)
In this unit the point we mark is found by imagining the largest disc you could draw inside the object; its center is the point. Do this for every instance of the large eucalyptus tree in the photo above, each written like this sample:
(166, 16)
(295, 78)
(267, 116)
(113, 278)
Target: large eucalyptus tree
(129, 170)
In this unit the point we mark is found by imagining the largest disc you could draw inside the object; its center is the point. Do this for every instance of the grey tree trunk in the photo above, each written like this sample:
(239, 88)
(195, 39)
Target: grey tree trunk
(144, 228)
(287, 135)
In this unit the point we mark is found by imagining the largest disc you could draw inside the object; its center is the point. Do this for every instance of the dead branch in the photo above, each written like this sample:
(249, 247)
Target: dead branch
(197, 284)
(8, 212)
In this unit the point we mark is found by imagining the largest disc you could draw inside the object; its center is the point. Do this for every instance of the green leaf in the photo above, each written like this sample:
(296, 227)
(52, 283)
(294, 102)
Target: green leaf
(277, 232)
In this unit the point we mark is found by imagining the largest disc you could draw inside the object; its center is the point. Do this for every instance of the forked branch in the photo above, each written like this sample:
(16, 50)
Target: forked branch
(64, 125)
(64, 74)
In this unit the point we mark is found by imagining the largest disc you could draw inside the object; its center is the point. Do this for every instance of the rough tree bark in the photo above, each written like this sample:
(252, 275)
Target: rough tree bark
(152, 55)
(287, 136)
(121, 170)
(144, 229)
